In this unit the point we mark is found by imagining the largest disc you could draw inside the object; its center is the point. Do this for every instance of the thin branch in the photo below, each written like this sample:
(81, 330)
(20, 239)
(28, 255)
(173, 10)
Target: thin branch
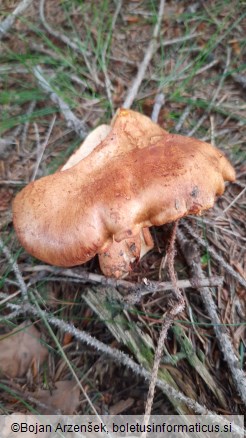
(116, 355)
(181, 39)
(9, 182)
(152, 47)
(42, 148)
(6, 24)
(74, 45)
(193, 260)
(84, 337)
(212, 131)
(179, 307)
(136, 296)
(72, 121)
(104, 53)
(24, 395)
(213, 224)
(239, 79)
(197, 72)
(66, 40)
(210, 106)
(231, 204)
(41, 314)
(64, 356)
(159, 102)
(16, 270)
(6, 142)
(140, 290)
(167, 322)
(221, 133)
(10, 297)
(30, 110)
(214, 254)
(183, 118)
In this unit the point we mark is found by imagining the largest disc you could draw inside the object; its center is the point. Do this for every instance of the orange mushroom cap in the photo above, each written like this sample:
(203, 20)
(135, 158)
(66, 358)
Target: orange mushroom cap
(117, 261)
(137, 177)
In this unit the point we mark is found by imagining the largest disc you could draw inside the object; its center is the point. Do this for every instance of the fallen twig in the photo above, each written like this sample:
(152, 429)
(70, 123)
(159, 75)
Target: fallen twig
(75, 45)
(153, 45)
(239, 79)
(116, 355)
(104, 53)
(165, 43)
(180, 77)
(183, 118)
(214, 254)
(30, 110)
(215, 95)
(199, 71)
(234, 235)
(84, 337)
(27, 396)
(8, 182)
(231, 204)
(167, 322)
(41, 149)
(159, 102)
(6, 142)
(6, 24)
(72, 121)
(139, 290)
(180, 39)
(16, 270)
(180, 305)
(38, 312)
(193, 260)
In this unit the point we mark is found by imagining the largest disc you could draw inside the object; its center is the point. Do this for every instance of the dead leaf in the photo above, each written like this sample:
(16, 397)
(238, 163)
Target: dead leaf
(239, 268)
(64, 398)
(67, 338)
(132, 19)
(235, 47)
(239, 336)
(20, 349)
(121, 406)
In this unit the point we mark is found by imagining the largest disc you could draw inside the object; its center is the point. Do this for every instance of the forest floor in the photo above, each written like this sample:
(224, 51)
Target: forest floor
(68, 332)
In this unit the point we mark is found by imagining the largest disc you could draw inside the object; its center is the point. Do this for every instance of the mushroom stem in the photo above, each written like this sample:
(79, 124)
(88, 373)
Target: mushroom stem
(117, 261)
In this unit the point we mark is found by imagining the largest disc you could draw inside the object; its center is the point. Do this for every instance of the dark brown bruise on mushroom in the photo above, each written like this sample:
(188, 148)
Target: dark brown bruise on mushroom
(137, 177)
(118, 259)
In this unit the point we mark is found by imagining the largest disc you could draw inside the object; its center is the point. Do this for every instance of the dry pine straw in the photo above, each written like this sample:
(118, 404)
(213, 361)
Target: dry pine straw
(223, 231)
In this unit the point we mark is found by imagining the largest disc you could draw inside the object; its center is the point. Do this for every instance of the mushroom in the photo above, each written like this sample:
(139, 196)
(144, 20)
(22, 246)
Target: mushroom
(138, 176)
(117, 261)
(119, 257)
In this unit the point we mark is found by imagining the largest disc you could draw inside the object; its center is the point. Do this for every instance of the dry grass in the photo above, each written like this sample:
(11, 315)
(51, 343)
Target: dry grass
(201, 75)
